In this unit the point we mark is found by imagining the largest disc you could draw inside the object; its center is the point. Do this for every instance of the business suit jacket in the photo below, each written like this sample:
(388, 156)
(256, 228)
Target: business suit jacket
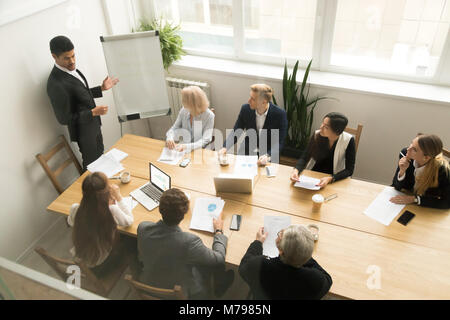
(276, 119)
(72, 103)
(270, 278)
(171, 256)
(438, 197)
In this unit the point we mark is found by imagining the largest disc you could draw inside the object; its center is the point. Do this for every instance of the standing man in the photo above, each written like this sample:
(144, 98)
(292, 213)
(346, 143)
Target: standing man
(73, 100)
(259, 117)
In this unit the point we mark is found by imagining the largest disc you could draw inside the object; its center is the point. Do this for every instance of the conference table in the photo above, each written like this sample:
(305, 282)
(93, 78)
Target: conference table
(366, 259)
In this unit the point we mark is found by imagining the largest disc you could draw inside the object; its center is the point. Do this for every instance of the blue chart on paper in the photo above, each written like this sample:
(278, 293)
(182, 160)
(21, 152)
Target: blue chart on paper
(212, 207)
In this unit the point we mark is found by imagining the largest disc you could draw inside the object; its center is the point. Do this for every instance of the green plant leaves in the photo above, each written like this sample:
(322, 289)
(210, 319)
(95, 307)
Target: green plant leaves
(171, 43)
(299, 108)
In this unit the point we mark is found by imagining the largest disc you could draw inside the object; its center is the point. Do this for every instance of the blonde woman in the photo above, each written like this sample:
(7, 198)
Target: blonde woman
(194, 118)
(423, 170)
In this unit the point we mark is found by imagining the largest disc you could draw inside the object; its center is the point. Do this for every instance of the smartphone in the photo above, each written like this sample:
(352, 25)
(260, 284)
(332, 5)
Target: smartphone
(406, 217)
(235, 222)
(185, 162)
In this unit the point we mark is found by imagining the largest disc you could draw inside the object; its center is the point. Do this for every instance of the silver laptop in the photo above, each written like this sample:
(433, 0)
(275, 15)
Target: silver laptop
(233, 183)
(150, 193)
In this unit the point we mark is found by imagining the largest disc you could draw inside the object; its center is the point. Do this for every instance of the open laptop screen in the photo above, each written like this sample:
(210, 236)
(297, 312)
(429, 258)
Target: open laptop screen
(159, 178)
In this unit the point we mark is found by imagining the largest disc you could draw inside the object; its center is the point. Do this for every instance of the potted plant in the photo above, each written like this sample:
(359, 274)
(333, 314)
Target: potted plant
(300, 111)
(171, 42)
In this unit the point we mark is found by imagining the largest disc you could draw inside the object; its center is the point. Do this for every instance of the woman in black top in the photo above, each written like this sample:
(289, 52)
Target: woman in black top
(423, 170)
(330, 150)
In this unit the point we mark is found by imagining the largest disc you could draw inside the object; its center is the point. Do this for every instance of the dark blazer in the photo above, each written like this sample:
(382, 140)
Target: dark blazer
(270, 278)
(72, 103)
(276, 119)
(169, 254)
(325, 157)
(438, 197)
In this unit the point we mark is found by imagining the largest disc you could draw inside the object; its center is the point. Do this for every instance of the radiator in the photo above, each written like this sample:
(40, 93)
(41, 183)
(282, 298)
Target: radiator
(175, 86)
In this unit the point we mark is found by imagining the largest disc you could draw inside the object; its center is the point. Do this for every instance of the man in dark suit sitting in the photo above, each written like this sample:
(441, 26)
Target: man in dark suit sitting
(261, 119)
(171, 256)
(73, 100)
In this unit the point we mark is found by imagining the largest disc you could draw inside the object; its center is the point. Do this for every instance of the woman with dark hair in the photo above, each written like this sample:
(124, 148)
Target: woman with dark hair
(95, 221)
(423, 170)
(330, 150)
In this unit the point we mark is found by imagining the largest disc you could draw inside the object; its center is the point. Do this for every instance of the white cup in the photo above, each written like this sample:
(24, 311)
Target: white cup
(125, 177)
(317, 200)
(223, 159)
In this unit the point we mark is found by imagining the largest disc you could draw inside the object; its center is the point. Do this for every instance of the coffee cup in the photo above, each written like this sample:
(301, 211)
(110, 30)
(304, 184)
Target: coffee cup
(317, 200)
(223, 159)
(125, 177)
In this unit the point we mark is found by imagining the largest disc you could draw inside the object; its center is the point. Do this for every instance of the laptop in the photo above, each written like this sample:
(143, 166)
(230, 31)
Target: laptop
(150, 193)
(233, 183)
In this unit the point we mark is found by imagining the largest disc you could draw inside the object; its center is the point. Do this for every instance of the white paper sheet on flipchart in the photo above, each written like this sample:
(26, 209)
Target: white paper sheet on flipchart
(205, 209)
(171, 157)
(246, 165)
(383, 210)
(307, 183)
(106, 164)
(273, 224)
(119, 155)
(130, 202)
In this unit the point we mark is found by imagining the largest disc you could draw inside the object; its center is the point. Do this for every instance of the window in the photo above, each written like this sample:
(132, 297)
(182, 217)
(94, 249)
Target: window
(283, 28)
(401, 39)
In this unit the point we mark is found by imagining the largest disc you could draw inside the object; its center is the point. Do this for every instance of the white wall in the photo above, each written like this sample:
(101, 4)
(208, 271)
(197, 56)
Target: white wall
(29, 125)
(389, 123)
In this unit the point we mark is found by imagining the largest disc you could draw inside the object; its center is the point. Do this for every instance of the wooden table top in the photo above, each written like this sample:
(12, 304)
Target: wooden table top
(414, 261)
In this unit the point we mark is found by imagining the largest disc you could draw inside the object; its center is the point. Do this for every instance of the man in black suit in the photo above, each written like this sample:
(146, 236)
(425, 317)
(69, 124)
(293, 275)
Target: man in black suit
(73, 100)
(260, 118)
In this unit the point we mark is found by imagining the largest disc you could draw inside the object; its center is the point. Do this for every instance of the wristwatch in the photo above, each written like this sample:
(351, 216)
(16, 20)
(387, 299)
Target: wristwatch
(218, 230)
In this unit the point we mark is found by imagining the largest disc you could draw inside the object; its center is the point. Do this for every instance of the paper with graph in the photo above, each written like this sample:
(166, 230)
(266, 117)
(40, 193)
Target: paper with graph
(205, 210)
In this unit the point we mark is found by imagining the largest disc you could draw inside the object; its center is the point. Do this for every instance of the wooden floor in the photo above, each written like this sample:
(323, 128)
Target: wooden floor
(58, 242)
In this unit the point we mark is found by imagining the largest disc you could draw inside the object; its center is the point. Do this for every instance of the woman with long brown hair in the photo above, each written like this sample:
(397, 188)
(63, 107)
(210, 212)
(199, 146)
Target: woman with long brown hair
(423, 170)
(95, 221)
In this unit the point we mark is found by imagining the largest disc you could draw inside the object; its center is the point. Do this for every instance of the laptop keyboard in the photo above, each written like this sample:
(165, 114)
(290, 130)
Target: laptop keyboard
(152, 192)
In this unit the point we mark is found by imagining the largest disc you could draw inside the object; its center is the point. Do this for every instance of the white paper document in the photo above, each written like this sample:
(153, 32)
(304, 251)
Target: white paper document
(273, 224)
(170, 156)
(130, 202)
(106, 164)
(307, 183)
(383, 210)
(117, 154)
(246, 165)
(205, 210)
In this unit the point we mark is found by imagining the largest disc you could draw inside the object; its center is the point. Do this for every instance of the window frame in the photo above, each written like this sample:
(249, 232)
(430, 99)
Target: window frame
(325, 19)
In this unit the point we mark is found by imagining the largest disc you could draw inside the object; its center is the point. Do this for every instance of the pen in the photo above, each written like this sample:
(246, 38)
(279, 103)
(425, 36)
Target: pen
(331, 197)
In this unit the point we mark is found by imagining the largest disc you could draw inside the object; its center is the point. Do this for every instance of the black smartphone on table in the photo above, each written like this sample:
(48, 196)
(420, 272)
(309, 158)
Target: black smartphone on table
(406, 217)
(235, 222)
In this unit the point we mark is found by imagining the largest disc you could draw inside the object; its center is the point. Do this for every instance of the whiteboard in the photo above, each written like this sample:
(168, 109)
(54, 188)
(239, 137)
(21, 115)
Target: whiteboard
(136, 60)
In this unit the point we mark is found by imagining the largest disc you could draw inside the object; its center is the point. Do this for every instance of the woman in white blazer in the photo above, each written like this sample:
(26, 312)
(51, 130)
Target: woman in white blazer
(195, 122)
(330, 150)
